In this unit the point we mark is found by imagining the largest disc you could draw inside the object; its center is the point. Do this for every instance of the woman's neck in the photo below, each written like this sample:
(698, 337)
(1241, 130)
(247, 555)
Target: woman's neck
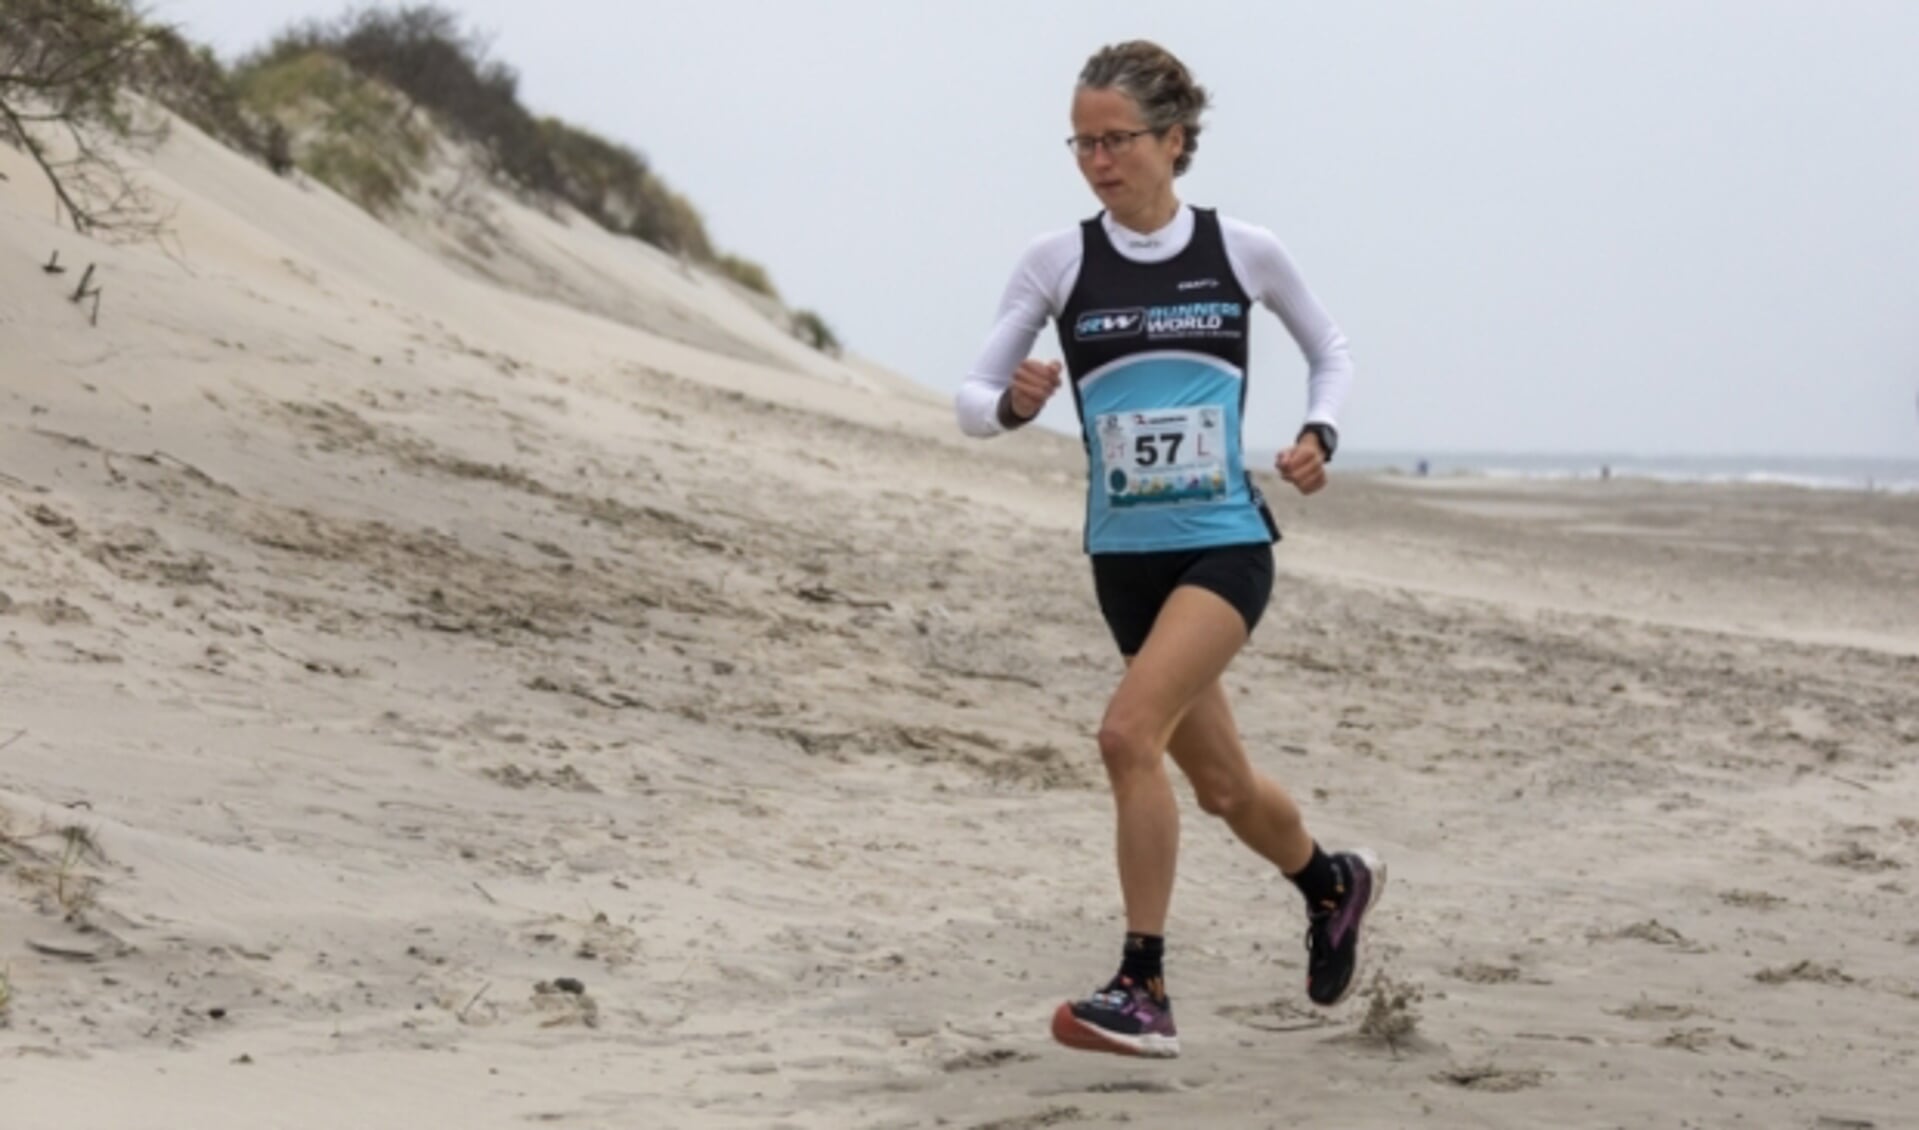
(1152, 217)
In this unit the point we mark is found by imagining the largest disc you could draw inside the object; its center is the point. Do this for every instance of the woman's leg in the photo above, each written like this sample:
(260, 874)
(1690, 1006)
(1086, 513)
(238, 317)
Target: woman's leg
(1207, 747)
(1195, 636)
(1339, 888)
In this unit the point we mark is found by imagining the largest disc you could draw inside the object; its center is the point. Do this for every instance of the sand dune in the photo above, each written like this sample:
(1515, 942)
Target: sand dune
(533, 689)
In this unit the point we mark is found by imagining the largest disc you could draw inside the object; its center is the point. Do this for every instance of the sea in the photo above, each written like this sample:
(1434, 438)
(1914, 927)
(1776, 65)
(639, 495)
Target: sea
(1895, 476)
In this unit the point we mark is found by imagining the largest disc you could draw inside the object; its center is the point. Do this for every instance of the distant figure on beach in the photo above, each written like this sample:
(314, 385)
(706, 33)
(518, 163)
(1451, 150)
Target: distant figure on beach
(1605, 471)
(1424, 468)
(1153, 303)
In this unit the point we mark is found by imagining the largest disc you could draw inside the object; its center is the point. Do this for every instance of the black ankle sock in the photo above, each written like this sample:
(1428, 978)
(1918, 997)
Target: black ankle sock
(1322, 881)
(1143, 963)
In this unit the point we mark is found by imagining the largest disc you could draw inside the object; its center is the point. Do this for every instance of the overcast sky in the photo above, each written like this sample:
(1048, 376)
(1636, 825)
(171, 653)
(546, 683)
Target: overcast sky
(1653, 227)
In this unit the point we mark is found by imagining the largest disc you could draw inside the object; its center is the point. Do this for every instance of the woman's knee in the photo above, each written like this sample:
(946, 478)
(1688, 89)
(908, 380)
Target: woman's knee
(1127, 748)
(1224, 795)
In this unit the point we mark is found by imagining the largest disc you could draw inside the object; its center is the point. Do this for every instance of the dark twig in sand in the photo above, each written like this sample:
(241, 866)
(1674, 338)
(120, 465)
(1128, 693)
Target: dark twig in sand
(476, 1000)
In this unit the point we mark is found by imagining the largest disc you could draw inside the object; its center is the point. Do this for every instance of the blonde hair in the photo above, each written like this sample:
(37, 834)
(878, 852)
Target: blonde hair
(1153, 77)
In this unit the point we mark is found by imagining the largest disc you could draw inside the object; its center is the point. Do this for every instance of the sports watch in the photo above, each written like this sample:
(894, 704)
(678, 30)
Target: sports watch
(1326, 434)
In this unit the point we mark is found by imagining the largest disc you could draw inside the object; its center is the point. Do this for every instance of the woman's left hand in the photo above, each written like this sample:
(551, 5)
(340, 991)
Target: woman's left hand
(1303, 464)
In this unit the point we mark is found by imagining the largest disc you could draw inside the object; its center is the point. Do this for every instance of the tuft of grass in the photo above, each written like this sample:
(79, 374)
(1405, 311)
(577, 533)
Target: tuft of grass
(6, 993)
(72, 890)
(356, 136)
(748, 274)
(285, 84)
(813, 330)
(60, 879)
(356, 174)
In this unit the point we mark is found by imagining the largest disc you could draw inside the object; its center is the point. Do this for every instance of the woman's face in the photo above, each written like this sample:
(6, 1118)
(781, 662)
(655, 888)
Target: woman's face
(1128, 170)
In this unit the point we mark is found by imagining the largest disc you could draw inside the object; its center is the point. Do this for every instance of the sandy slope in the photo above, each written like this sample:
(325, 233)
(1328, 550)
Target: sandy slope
(403, 641)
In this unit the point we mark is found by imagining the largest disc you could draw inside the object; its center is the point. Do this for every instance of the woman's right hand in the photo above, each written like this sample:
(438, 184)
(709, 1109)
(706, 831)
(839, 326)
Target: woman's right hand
(1034, 383)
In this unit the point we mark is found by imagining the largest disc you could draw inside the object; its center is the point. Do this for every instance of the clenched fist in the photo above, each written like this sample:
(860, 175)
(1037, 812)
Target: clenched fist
(1303, 464)
(1034, 383)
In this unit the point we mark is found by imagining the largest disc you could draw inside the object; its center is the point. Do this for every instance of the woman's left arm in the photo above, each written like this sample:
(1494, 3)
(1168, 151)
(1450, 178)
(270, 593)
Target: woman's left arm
(1269, 275)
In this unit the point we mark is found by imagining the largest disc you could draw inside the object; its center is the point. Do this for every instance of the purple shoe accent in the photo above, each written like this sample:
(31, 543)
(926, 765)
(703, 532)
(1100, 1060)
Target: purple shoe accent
(1358, 900)
(1121, 1019)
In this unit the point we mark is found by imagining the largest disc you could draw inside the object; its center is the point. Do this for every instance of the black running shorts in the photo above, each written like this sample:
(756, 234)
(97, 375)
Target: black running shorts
(1133, 587)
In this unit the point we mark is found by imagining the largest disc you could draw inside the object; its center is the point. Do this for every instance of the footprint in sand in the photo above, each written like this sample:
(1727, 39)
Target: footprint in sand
(1752, 900)
(1655, 1012)
(985, 1059)
(1480, 973)
(1699, 1039)
(1279, 1015)
(1051, 1116)
(1858, 857)
(1492, 1078)
(1808, 970)
(1654, 932)
(1132, 1087)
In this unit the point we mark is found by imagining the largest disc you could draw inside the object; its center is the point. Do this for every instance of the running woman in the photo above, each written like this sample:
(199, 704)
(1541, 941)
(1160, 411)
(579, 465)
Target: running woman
(1153, 303)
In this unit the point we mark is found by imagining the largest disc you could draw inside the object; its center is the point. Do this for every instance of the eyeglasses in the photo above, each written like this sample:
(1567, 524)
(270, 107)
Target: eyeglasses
(1115, 142)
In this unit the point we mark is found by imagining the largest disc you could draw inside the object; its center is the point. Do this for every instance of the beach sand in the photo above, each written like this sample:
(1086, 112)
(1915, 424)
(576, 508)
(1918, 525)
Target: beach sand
(461, 689)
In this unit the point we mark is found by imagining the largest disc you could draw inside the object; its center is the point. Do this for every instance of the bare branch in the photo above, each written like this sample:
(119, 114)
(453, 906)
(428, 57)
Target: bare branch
(64, 66)
(18, 129)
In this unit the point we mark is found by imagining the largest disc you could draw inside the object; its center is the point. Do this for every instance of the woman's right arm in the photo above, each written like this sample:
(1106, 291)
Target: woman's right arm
(1031, 298)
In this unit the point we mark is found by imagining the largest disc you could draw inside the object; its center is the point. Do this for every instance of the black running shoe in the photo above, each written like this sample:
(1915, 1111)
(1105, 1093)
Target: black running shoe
(1332, 939)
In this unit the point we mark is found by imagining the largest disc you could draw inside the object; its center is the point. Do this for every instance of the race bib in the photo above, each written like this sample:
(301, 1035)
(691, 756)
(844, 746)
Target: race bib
(1168, 455)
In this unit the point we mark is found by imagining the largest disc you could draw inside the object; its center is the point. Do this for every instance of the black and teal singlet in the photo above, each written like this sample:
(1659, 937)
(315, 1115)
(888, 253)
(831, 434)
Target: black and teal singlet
(1157, 357)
